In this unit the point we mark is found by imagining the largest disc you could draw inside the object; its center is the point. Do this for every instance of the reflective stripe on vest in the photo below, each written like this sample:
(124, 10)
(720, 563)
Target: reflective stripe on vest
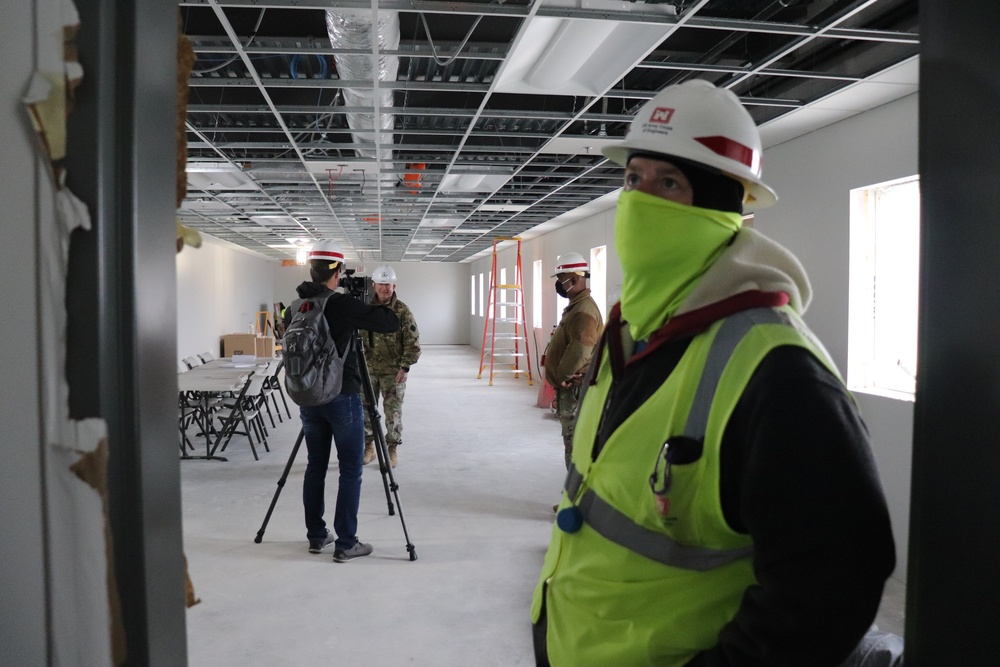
(620, 528)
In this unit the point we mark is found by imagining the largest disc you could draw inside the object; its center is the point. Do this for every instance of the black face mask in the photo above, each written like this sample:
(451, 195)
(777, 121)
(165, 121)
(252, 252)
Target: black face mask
(560, 289)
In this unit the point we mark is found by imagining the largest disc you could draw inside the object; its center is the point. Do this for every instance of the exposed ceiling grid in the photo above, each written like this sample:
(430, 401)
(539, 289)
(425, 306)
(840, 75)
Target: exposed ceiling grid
(479, 127)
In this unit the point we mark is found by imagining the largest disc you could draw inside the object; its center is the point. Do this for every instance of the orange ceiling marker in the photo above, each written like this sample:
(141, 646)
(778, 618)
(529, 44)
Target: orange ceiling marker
(411, 180)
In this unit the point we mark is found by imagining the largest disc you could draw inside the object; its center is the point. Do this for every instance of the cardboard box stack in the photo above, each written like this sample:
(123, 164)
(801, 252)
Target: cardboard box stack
(259, 346)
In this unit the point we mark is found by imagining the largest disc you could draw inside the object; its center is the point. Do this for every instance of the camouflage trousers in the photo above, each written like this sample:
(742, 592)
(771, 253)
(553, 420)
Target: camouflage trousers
(390, 393)
(567, 402)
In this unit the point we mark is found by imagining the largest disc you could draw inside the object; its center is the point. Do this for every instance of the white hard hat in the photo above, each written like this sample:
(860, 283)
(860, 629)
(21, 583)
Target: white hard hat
(384, 275)
(571, 262)
(696, 121)
(328, 250)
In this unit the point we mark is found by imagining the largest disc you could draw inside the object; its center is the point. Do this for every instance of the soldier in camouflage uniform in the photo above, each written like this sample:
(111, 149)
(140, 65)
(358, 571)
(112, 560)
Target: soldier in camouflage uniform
(389, 358)
(573, 342)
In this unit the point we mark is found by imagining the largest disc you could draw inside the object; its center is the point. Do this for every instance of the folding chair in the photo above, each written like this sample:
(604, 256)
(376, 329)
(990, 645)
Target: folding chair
(192, 361)
(245, 410)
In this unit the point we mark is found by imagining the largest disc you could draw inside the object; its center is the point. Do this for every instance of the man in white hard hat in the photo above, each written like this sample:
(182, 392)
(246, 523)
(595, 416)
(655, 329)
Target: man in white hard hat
(389, 357)
(568, 353)
(722, 505)
(339, 422)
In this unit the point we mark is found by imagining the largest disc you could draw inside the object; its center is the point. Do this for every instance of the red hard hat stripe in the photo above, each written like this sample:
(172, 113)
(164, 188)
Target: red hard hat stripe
(570, 267)
(326, 254)
(726, 147)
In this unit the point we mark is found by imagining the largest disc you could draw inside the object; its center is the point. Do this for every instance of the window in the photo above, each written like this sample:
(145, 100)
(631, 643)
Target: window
(480, 295)
(598, 279)
(884, 277)
(472, 294)
(536, 294)
(503, 294)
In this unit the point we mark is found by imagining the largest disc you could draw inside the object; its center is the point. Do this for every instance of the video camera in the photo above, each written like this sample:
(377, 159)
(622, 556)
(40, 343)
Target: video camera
(356, 286)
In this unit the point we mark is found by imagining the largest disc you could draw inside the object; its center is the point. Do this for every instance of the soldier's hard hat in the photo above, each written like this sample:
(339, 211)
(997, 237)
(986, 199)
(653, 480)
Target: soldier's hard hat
(571, 262)
(384, 275)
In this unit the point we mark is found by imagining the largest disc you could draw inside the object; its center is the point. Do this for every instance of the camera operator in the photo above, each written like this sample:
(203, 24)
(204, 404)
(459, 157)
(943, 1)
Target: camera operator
(341, 421)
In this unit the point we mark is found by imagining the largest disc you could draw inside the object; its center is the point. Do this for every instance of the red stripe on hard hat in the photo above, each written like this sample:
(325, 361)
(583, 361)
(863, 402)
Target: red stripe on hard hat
(573, 266)
(324, 254)
(726, 147)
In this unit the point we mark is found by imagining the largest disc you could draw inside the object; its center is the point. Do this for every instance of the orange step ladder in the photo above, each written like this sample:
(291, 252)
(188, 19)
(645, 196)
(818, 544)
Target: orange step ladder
(508, 336)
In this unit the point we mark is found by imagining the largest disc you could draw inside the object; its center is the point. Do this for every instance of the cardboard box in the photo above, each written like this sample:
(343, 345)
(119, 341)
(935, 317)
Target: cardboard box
(239, 344)
(264, 346)
(259, 346)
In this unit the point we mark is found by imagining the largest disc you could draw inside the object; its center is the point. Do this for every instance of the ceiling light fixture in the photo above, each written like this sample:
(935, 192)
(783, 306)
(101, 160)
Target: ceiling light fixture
(578, 56)
(473, 182)
(510, 208)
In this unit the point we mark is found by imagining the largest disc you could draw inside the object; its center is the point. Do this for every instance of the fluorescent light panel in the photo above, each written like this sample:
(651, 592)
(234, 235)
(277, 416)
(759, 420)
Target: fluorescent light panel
(473, 182)
(508, 208)
(440, 222)
(576, 56)
(273, 220)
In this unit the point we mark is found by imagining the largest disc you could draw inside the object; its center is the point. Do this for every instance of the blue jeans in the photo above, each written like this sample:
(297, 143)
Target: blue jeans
(340, 422)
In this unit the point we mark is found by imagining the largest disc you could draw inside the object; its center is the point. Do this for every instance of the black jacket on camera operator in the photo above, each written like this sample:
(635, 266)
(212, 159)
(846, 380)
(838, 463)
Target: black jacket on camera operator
(345, 314)
(341, 421)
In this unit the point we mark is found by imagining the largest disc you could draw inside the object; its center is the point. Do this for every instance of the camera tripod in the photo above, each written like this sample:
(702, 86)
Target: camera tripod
(381, 451)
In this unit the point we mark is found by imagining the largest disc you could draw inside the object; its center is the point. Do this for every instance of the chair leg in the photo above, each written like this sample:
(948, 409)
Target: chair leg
(260, 426)
(267, 406)
(277, 410)
(246, 425)
(281, 391)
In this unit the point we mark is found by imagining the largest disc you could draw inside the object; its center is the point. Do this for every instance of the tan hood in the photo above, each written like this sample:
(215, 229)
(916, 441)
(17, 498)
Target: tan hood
(752, 262)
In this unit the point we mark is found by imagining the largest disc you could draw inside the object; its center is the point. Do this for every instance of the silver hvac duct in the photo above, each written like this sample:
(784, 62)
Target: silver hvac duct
(353, 29)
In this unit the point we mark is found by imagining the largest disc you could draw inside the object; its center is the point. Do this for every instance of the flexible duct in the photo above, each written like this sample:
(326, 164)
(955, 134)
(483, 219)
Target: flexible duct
(354, 29)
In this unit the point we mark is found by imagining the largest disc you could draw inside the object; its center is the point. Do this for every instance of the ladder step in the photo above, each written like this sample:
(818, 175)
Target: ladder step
(507, 287)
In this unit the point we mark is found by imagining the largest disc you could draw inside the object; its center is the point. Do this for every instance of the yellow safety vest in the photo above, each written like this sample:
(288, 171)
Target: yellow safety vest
(623, 584)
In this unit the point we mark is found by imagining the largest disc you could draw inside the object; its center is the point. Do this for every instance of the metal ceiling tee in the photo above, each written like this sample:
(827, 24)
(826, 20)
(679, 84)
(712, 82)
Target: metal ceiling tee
(221, 15)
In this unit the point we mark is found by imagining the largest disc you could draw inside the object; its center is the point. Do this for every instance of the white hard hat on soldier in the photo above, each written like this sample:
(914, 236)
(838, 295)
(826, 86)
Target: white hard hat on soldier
(570, 262)
(696, 121)
(328, 250)
(384, 275)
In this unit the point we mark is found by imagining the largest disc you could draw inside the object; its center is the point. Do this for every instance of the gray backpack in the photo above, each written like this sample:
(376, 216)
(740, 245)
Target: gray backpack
(314, 372)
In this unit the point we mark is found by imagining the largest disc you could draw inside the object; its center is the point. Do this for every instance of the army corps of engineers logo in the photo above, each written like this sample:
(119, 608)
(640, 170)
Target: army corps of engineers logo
(659, 121)
(661, 115)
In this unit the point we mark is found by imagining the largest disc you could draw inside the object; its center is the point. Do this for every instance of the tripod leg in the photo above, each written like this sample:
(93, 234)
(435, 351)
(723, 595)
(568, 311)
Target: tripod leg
(387, 470)
(383, 461)
(281, 484)
(388, 480)
(375, 420)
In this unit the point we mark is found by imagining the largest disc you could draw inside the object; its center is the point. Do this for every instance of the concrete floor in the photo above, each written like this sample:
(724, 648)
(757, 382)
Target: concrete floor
(479, 471)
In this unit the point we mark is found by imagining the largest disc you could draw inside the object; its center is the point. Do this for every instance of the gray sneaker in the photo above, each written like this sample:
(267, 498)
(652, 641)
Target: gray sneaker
(319, 546)
(357, 551)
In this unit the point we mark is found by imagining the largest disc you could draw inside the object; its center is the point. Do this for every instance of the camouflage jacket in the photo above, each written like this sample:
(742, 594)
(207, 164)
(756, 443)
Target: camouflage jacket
(574, 340)
(387, 353)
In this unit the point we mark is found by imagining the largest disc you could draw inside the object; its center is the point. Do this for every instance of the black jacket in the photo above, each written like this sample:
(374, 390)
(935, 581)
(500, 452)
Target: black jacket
(345, 315)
